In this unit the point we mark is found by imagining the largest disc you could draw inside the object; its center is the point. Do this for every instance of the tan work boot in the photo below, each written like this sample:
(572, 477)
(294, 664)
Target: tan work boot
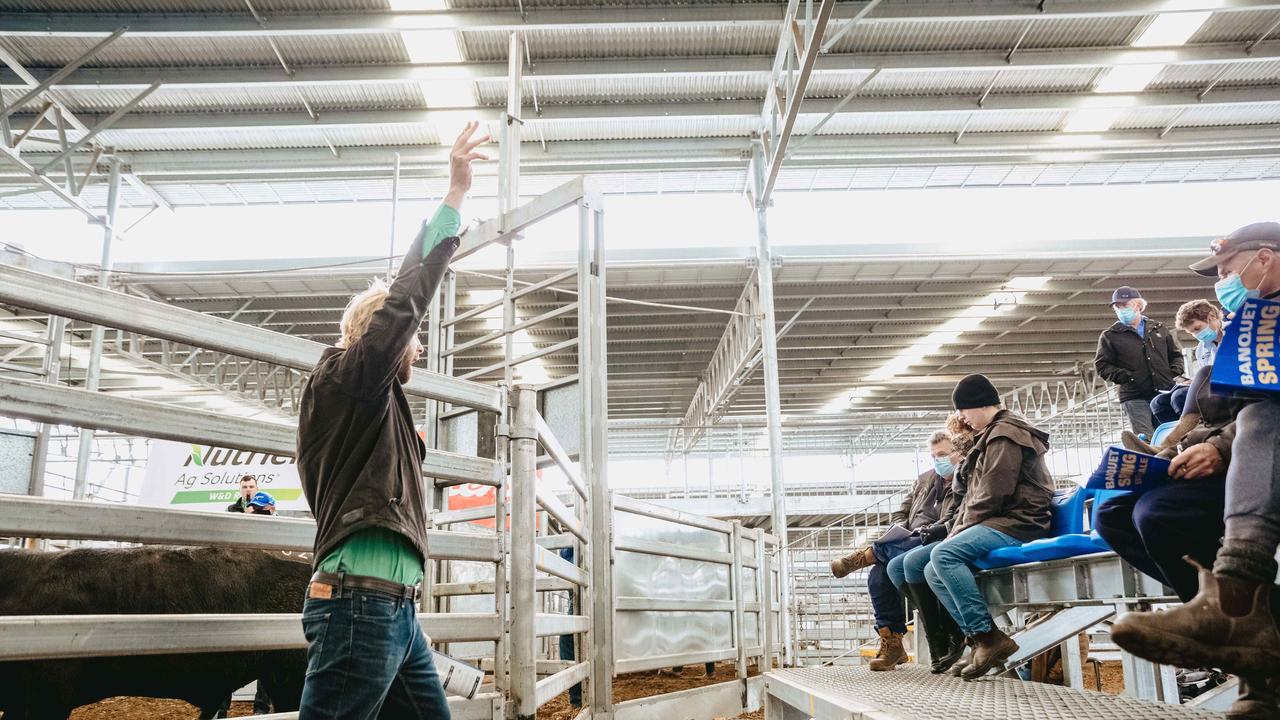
(891, 654)
(1131, 441)
(1200, 634)
(1259, 700)
(990, 650)
(860, 558)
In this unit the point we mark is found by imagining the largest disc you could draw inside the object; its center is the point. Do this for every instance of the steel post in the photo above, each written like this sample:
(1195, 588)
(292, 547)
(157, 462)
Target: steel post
(593, 454)
(524, 508)
(395, 207)
(51, 370)
(509, 152)
(772, 394)
(97, 335)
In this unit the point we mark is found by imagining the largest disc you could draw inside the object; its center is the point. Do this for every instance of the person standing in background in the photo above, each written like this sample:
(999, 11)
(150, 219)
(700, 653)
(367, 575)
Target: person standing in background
(1140, 356)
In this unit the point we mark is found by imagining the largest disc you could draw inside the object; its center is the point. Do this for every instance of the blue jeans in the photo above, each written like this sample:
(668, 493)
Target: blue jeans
(951, 577)
(909, 567)
(886, 602)
(367, 658)
(1168, 405)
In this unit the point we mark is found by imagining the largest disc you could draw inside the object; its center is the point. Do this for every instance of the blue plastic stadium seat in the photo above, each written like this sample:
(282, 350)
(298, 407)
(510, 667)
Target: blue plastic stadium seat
(1067, 536)
(1162, 432)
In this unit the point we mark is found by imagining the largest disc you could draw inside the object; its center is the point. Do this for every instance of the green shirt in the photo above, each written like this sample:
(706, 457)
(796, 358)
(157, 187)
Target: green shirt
(378, 552)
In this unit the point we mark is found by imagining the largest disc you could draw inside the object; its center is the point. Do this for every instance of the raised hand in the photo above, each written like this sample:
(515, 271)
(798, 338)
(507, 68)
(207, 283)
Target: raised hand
(461, 155)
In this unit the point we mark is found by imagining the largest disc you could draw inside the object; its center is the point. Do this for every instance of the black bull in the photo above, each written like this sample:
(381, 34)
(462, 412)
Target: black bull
(149, 581)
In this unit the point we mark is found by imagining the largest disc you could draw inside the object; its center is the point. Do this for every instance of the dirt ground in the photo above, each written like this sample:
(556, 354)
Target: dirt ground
(131, 708)
(646, 684)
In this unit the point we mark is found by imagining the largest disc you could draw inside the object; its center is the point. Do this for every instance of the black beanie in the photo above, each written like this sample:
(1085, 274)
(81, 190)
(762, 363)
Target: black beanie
(974, 391)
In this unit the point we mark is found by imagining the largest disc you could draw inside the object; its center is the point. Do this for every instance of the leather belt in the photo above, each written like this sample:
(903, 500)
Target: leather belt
(336, 582)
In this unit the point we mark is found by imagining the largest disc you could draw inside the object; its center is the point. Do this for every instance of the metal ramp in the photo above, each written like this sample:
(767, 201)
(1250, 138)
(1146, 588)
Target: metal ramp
(912, 693)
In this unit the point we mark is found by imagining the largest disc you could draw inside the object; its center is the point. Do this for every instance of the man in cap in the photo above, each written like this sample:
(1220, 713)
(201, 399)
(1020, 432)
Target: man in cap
(1231, 623)
(1140, 355)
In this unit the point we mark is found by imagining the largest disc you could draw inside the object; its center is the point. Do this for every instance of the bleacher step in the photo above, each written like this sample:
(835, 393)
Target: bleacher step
(912, 693)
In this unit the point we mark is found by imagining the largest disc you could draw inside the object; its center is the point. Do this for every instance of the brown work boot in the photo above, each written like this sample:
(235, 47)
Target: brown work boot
(1200, 634)
(990, 650)
(891, 654)
(1259, 700)
(860, 558)
(966, 657)
(1131, 441)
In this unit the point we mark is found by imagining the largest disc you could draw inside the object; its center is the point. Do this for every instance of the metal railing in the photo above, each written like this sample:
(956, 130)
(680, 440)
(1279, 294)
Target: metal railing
(532, 567)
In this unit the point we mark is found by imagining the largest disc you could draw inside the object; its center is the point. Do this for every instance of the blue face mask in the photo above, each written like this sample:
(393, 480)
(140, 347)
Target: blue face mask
(943, 466)
(1126, 315)
(1207, 336)
(1232, 293)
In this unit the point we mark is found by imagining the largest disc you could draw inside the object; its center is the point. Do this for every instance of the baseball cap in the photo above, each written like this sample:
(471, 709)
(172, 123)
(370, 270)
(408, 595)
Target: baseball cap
(1250, 237)
(263, 500)
(1125, 293)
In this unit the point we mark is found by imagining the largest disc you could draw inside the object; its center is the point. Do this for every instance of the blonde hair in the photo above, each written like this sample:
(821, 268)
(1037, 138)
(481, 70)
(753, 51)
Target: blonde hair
(355, 319)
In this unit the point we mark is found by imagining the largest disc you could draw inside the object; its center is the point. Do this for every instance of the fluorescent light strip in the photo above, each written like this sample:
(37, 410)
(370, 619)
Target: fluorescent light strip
(1171, 28)
(948, 333)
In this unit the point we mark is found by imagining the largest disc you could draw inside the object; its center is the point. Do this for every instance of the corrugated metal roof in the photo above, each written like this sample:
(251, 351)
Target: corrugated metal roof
(189, 6)
(641, 41)
(1241, 26)
(369, 96)
(250, 138)
(1180, 77)
(1046, 32)
(150, 51)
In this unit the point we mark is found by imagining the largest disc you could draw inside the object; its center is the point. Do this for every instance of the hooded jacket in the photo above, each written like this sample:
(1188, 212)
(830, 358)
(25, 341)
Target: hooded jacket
(1142, 365)
(1008, 485)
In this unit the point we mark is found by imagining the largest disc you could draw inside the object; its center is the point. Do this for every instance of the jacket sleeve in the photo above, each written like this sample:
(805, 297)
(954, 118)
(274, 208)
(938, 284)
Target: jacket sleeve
(1105, 363)
(950, 508)
(903, 512)
(1222, 440)
(370, 365)
(989, 492)
(1176, 362)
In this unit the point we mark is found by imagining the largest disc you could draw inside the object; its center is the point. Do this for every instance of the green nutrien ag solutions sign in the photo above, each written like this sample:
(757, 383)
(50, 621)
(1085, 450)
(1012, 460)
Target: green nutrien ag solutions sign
(207, 477)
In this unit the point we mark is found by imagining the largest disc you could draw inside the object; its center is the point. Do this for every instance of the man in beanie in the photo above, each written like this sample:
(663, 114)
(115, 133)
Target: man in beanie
(1140, 355)
(1006, 502)
(1232, 623)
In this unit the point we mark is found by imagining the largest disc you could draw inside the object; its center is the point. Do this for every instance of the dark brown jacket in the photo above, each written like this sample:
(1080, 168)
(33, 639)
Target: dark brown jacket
(1217, 425)
(359, 454)
(1008, 483)
(917, 510)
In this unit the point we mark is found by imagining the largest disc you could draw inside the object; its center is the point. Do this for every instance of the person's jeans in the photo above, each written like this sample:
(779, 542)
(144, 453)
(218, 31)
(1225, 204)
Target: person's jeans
(1153, 530)
(1168, 405)
(909, 567)
(951, 577)
(1140, 420)
(368, 658)
(1253, 496)
(886, 602)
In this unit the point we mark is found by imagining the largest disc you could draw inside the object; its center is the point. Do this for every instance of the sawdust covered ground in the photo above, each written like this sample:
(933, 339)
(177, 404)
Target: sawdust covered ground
(647, 684)
(135, 708)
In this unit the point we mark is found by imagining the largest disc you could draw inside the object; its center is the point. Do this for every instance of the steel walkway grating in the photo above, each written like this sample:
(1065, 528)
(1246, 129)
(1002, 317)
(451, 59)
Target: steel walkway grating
(915, 694)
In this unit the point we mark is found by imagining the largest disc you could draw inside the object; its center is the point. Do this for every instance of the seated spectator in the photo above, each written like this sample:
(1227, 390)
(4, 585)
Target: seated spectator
(906, 571)
(1232, 622)
(1006, 503)
(920, 508)
(1202, 320)
(1156, 529)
